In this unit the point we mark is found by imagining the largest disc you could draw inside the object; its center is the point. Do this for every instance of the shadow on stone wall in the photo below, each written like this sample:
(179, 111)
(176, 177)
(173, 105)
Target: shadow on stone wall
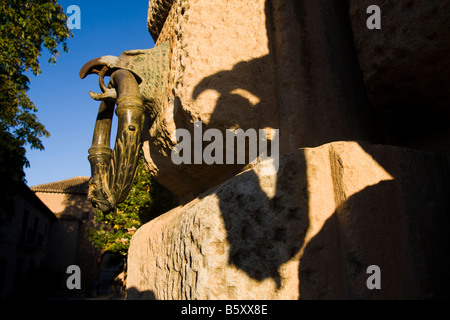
(266, 227)
(135, 294)
(69, 245)
(399, 224)
(367, 228)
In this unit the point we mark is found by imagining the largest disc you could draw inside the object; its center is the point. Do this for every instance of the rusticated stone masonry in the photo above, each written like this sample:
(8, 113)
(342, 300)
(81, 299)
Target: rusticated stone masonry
(309, 231)
(363, 179)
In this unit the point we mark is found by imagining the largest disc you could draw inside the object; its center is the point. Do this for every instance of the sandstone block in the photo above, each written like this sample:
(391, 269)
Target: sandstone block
(254, 64)
(406, 64)
(308, 231)
(157, 14)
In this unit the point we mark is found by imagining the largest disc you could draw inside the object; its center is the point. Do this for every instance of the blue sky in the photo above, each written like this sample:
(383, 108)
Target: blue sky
(62, 98)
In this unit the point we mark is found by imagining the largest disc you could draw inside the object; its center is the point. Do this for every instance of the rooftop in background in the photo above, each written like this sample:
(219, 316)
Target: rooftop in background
(79, 185)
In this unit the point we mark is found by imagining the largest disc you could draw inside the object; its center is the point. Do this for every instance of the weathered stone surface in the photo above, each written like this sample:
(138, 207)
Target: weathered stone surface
(309, 231)
(406, 64)
(256, 64)
(157, 14)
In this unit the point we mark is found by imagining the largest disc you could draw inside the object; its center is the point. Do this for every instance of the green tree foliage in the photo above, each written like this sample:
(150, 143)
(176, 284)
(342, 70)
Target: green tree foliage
(26, 27)
(147, 200)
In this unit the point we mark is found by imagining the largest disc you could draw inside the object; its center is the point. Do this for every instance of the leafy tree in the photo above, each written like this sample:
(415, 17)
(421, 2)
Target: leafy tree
(26, 27)
(147, 200)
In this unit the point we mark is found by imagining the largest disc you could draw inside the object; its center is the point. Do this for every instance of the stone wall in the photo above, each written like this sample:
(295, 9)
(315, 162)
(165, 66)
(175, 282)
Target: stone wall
(256, 64)
(309, 231)
(69, 243)
(67, 205)
(343, 198)
(406, 67)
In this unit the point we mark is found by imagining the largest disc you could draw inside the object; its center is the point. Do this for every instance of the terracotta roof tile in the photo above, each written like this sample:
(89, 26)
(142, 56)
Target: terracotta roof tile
(79, 185)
